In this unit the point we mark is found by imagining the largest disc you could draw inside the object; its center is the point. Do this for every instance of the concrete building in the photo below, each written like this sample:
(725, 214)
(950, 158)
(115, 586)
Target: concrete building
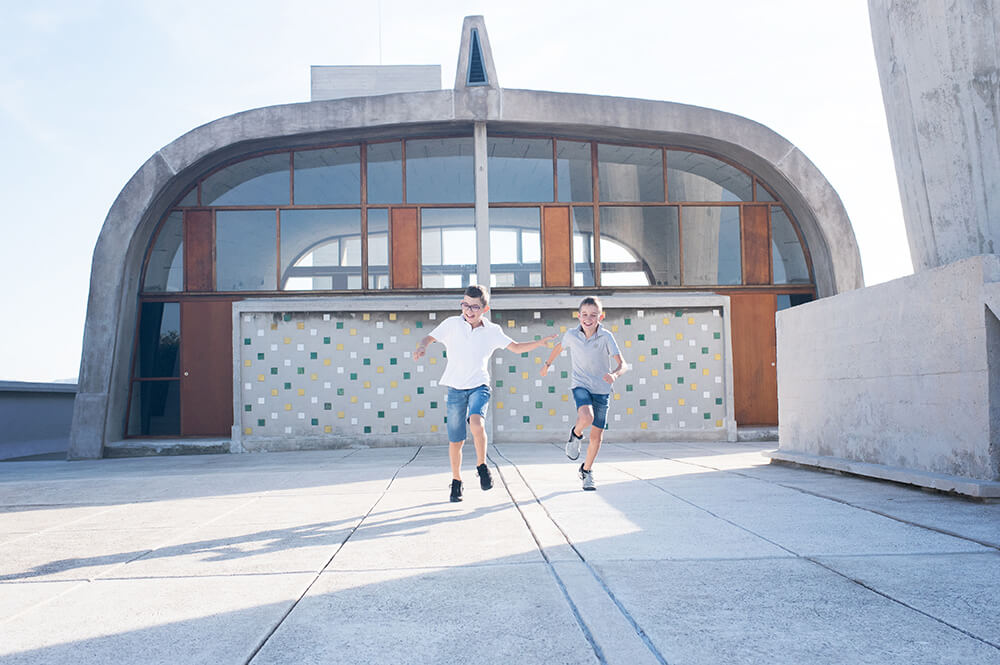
(901, 381)
(261, 281)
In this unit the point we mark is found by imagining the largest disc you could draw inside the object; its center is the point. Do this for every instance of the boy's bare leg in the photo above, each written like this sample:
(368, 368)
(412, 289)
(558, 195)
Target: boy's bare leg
(596, 435)
(455, 456)
(478, 437)
(584, 417)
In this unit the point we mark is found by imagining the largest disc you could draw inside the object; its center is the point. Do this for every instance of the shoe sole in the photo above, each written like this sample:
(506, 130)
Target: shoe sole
(456, 499)
(589, 489)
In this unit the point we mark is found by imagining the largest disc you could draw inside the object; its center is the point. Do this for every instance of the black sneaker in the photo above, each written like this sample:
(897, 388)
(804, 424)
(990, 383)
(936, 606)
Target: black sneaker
(456, 490)
(485, 477)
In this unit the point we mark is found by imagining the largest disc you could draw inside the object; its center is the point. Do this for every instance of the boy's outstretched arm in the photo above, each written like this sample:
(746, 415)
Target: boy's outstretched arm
(422, 347)
(524, 347)
(618, 371)
(552, 356)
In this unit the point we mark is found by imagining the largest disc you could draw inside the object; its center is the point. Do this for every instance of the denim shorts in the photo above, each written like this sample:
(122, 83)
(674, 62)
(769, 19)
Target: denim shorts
(461, 405)
(599, 402)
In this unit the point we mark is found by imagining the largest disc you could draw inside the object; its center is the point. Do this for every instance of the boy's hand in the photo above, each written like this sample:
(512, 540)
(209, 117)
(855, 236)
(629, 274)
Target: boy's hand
(419, 353)
(549, 338)
(610, 378)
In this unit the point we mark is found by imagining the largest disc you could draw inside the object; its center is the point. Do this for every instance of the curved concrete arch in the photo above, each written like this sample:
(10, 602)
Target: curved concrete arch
(99, 414)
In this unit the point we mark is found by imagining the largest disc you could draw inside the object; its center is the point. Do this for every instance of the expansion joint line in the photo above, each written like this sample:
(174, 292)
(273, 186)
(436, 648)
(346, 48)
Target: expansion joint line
(322, 570)
(600, 581)
(804, 557)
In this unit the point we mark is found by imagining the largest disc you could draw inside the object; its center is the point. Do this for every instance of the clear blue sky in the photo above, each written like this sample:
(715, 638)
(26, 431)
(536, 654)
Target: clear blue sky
(90, 89)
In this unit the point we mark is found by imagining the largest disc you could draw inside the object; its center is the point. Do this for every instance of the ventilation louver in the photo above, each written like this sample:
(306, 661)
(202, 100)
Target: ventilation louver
(477, 70)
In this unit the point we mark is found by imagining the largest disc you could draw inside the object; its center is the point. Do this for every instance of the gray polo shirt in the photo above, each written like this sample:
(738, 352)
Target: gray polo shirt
(592, 358)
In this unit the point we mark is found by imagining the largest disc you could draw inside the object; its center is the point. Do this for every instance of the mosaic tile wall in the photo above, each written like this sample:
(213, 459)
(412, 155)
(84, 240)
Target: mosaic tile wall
(351, 375)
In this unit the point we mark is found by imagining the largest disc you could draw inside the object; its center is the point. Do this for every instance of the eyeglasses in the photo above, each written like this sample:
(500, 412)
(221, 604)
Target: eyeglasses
(471, 308)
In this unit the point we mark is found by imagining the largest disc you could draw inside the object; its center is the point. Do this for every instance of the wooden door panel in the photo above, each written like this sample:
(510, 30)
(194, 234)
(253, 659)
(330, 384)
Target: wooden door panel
(557, 248)
(199, 250)
(206, 367)
(755, 380)
(404, 256)
(756, 245)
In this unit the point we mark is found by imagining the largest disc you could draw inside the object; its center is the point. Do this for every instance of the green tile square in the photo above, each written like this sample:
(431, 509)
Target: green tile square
(395, 428)
(444, 354)
(368, 429)
(340, 392)
(656, 416)
(392, 361)
(274, 370)
(366, 361)
(300, 370)
(718, 400)
(552, 389)
(693, 365)
(526, 419)
(287, 317)
(406, 376)
(704, 349)
(642, 402)
(260, 356)
(327, 406)
(381, 414)
(313, 355)
(678, 314)
(419, 324)
(628, 387)
(708, 416)
(628, 322)
(288, 386)
(354, 376)
(564, 375)
(666, 365)
(511, 369)
(434, 405)
(420, 390)
(499, 383)
(538, 405)
(315, 421)
(550, 323)
(378, 346)
(260, 422)
(680, 379)
(247, 341)
(654, 351)
(247, 407)
(326, 340)
(642, 337)
(717, 335)
(340, 325)
(524, 355)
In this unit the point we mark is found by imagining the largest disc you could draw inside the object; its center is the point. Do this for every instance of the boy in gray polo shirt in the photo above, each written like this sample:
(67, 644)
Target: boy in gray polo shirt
(592, 348)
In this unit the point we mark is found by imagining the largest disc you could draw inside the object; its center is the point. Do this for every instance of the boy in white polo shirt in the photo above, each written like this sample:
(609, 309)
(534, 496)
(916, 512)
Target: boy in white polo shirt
(470, 340)
(592, 349)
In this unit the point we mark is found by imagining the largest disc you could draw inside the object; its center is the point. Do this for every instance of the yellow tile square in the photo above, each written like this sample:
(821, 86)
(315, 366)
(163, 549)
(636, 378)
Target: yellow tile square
(420, 413)
(513, 390)
(392, 316)
(666, 322)
(354, 399)
(368, 384)
(313, 376)
(393, 384)
(406, 331)
(300, 325)
(247, 430)
(718, 423)
(618, 396)
(511, 323)
(680, 336)
(565, 398)
(628, 344)
(301, 392)
(690, 320)
(614, 328)
(366, 317)
(642, 359)
(340, 414)
(538, 360)
(538, 427)
(274, 392)
(643, 425)
(524, 375)
(694, 386)
(340, 347)
(667, 386)
(576, 315)
(288, 340)
(433, 361)
(434, 428)
(680, 402)
(327, 429)
(499, 405)
(260, 377)
(406, 398)
(246, 363)
(380, 370)
(552, 412)
(288, 407)
(718, 356)
(326, 362)
(630, 411)
(274, 326)
(562, 329)
(654, 372)
(354, 332)
(704, 372)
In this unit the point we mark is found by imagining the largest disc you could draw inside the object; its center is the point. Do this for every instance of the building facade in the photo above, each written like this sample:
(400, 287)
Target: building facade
(264, 278)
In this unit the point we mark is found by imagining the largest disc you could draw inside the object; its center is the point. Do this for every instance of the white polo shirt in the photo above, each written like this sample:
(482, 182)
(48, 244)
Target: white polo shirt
(469, 350)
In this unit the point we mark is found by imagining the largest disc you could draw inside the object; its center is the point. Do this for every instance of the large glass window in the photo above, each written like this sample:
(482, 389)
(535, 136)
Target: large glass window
(320, 249)
(155, 408)
(519, 169)
(692, 176)
(515, 247)
(378, 248)
(159, 340)
(645, 246)
(328, 176)
(575, 177)
(712, 245)
(258, 181)
(582, 220)
(788, 261)
(245, 250)
(165, 271)
(629, 173)
(448, 247)
(385, 172)
(440, 171)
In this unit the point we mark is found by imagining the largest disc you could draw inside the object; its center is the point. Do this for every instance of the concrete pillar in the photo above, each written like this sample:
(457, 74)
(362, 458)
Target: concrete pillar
(938, 64)
(479, 151)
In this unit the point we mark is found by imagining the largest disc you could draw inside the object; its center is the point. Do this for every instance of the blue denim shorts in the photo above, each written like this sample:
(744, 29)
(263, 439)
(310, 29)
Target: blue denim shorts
(461, 405)
(584, 397)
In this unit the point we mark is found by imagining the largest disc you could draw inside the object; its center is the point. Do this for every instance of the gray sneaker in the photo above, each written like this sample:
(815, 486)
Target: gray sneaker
(588, 479)
(573, 445)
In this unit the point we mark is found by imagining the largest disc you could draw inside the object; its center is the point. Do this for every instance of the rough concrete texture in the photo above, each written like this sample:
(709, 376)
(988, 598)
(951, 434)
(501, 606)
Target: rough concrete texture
(938, 63)
(896, 376)
(688, 553)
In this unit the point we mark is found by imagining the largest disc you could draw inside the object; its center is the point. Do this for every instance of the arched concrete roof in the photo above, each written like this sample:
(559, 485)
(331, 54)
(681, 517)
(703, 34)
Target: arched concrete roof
(118, 255)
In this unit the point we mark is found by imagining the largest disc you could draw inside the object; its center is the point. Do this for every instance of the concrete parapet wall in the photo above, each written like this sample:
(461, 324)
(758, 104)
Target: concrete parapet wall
(36, 418)
(896, 375)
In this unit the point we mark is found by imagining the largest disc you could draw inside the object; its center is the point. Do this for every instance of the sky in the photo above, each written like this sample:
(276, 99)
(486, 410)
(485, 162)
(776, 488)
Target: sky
(90, 89)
